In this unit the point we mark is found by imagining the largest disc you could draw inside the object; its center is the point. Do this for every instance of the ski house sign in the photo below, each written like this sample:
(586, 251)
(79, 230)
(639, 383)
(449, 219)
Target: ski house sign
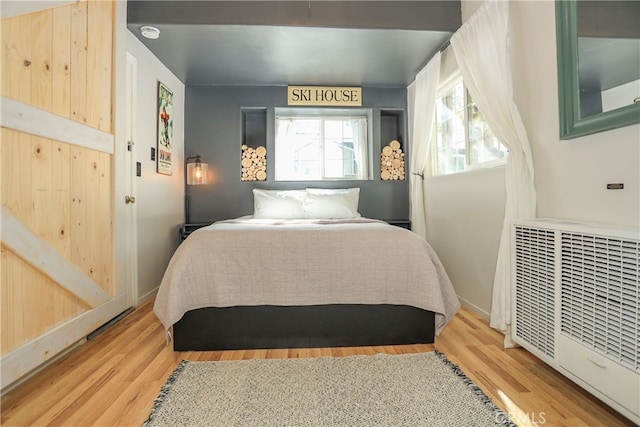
(324, 96)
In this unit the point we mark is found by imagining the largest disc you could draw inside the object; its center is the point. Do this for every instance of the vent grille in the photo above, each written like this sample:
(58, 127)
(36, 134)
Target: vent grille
(600, 295)
(535, 287)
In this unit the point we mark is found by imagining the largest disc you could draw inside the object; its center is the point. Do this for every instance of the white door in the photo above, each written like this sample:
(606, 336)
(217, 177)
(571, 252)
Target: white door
(131, 239)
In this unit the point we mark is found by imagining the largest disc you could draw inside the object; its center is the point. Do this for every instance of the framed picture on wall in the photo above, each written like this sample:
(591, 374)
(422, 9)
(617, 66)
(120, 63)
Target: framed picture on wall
(165, 129)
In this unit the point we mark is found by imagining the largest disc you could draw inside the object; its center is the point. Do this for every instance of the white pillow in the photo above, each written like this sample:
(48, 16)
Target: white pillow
(278, 204)
(323, 203)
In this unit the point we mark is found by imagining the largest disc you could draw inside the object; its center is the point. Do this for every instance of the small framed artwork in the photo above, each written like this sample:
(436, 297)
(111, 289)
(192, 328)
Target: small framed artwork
(165, 129)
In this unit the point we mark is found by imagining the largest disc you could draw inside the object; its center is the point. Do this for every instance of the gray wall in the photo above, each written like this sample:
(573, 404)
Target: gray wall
(213, 129)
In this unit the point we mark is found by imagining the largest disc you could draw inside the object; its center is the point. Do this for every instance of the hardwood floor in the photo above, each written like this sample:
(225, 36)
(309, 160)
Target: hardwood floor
(113, 379)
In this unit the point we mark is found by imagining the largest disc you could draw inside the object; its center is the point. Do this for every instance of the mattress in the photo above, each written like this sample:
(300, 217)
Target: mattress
(251, 262)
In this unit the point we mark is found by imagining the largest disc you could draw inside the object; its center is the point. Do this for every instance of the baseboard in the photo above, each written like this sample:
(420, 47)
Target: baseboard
(474, 308)
(109, 324)
(146, 297)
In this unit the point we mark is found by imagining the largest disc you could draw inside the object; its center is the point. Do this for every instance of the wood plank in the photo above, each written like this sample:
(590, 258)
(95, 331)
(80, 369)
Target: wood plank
(41, 169)
(7, 67)
(39, 303)
(78, 208)
(62, 62)
(22, 360)
(41, 59)
(78, 93)
(61, 157)
(59, 216)
(40, 289)
(103, 214)
(4, 300)
(15, 8)
(126, 396)
(108, 70)
(16, 310)
(16, 180)
(42, 256)
(99, 60)
(95, 241)
(16, 63)
(82, 398)
(40, 165)
(25, 118)
(130, 404)
(65, 303)
(88, 239)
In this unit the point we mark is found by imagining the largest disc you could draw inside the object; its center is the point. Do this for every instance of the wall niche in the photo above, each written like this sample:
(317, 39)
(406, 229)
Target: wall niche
(253, 157)
(393, 156)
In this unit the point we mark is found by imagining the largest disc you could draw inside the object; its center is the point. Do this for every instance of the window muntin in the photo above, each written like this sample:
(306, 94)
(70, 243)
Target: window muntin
(463, 138)
(322, 146)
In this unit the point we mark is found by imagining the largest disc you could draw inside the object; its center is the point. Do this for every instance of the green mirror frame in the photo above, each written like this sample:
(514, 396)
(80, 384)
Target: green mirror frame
(571, 125)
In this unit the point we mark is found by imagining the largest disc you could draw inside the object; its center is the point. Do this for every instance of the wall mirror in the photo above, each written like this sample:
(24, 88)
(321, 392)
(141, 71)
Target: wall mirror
(598, 65)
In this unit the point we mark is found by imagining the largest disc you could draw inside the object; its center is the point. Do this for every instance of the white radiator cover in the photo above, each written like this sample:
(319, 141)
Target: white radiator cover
(576, 304)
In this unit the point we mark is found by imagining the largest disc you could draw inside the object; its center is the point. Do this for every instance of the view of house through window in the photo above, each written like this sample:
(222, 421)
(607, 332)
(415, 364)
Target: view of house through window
(463, 139)
(322, 146)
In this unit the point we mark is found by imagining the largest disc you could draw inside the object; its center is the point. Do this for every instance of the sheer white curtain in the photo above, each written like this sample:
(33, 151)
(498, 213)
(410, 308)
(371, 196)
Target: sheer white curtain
(285, 148)
(481, 47)
(423, 92)
(359, 133)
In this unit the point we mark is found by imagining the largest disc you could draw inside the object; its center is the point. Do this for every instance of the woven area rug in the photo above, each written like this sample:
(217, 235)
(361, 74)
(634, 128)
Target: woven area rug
(423, 389)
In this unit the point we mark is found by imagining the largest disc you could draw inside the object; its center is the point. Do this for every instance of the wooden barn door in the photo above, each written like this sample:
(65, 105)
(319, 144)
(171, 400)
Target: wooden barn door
(60, 274)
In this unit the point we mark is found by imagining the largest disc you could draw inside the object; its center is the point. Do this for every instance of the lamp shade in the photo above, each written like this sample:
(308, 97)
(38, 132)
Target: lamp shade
(197, 173)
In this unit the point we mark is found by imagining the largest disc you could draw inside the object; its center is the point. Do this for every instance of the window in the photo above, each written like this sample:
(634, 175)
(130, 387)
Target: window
(329, 145)
(463, 139)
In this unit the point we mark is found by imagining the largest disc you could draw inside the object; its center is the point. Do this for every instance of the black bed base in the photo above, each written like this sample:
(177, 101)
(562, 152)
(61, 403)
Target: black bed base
(341, 325)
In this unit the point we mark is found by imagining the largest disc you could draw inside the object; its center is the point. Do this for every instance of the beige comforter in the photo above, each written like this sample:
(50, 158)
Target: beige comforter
(304, 262)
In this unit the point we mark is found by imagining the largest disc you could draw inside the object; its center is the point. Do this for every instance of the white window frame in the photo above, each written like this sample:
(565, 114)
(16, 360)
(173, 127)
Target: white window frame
(446, 86)
(330, 113)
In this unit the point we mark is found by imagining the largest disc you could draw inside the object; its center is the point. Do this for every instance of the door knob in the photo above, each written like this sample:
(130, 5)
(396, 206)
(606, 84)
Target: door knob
(129, 199)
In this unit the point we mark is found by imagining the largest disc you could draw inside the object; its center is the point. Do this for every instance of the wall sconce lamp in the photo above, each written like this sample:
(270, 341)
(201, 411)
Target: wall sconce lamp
(195, 173)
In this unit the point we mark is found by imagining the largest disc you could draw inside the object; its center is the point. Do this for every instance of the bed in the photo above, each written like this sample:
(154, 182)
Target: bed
(333, 279)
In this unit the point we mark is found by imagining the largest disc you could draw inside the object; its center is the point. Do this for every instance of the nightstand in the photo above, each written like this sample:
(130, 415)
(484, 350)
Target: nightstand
(187, 229)
(404, 223)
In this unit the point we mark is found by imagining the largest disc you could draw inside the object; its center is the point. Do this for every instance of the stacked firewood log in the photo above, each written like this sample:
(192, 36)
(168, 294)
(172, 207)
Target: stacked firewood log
(254, 163)
(392, 162)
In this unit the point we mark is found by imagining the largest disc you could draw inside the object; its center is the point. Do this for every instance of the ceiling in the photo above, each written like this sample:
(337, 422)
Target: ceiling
(345, 43)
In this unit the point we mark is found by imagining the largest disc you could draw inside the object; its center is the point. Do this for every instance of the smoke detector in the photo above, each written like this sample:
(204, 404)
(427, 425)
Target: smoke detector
(150, 32)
